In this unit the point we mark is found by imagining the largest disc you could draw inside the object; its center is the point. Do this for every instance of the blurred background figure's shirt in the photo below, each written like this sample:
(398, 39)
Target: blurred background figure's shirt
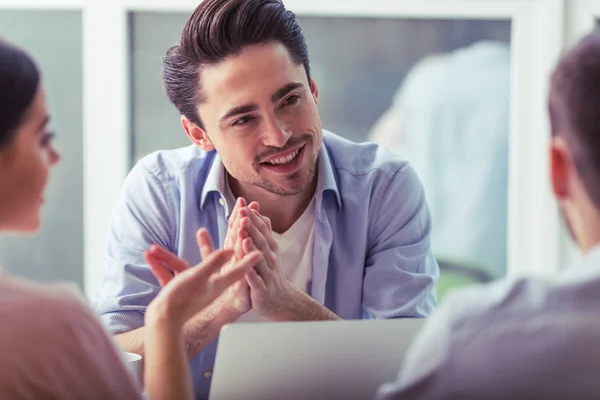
(450, 119)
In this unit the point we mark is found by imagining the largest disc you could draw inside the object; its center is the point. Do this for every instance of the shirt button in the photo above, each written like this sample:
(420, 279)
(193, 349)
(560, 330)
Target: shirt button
(207, 374)
(222, 201)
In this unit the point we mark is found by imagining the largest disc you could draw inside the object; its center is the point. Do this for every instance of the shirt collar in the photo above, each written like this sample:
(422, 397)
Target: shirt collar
(216, 182)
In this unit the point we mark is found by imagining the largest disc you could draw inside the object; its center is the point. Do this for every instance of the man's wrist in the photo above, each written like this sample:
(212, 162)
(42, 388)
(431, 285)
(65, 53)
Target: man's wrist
(299, 306)
(290, 307)
(225, 315)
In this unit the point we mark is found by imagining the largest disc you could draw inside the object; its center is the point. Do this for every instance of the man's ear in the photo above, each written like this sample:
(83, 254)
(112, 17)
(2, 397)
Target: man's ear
(560, 165)
(196, 134)
(314, 89)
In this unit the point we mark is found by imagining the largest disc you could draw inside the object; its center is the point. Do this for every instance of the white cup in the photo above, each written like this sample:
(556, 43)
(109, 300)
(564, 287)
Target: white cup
(134, 364)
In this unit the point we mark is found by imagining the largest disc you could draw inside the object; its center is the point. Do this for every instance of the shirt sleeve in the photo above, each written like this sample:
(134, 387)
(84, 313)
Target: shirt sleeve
(143, 215)
(400, 270)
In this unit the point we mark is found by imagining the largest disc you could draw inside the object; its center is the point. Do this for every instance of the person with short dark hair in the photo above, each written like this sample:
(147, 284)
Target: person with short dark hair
(534, 338)
(343, 227)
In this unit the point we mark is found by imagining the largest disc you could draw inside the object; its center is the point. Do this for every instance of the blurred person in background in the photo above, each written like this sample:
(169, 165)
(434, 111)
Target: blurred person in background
(450, 120)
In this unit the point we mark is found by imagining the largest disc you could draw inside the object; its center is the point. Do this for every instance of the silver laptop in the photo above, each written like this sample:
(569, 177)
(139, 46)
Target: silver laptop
(309, 360)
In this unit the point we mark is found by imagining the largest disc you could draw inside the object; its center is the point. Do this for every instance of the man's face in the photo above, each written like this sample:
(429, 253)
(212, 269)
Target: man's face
(260, 114)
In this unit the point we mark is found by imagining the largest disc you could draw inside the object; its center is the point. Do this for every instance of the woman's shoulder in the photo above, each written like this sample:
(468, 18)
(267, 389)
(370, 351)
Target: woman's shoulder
(50, 317)
(45, 306)
(57, 338)
(15, 290)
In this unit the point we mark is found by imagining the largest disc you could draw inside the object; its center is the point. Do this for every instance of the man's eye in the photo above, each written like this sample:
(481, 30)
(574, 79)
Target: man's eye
(291, 100)
(242, 121)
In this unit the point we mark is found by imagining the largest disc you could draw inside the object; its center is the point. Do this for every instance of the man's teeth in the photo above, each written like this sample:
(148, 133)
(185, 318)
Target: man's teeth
(284, 160)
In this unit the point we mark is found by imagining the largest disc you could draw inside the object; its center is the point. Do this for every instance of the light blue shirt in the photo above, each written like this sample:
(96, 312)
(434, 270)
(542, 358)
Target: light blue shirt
(372, 257)
(529, 339)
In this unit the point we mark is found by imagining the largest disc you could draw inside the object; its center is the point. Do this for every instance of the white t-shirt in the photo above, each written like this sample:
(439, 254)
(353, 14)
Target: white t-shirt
(295, 254)
(54, 347)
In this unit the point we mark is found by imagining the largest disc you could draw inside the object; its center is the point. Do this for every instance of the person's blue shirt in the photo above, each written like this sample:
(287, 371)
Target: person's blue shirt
(372, 255)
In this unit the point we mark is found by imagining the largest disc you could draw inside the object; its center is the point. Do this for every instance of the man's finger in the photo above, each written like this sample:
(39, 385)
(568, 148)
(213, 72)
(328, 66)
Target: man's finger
(255, 207)
(204, 243)
(255, 281)
(264, 230)
(258, 238)
(238, 249)
(230, 239)
(172, 261)
(262, 268)
(267, 222)
(239, 204)
(231, 223)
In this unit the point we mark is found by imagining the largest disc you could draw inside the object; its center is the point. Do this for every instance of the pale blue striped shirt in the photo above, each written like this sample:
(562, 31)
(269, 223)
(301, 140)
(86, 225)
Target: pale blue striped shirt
(372, 255)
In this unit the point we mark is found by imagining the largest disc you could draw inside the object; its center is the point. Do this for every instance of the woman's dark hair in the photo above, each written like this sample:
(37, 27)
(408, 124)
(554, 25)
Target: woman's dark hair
(19, 81)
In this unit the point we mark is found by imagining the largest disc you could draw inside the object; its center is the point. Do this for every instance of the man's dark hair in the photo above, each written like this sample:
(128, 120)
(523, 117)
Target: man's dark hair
(575, 109)
(218, 29)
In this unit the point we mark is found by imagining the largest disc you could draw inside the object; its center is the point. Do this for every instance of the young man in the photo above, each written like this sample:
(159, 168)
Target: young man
(343, 228)
(533, 338)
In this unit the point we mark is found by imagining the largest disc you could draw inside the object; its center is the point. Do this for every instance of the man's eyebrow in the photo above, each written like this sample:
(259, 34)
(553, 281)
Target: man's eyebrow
(279, 94)
(246, 108)
(239, 110)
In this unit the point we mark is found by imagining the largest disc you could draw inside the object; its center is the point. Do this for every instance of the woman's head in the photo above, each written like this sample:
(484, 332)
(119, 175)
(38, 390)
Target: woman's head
(26, 153)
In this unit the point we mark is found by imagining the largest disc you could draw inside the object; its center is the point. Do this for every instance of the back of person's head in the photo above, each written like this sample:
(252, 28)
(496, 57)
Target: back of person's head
(19, 82)
(221, 28)
(574, 106)
(575, 109)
